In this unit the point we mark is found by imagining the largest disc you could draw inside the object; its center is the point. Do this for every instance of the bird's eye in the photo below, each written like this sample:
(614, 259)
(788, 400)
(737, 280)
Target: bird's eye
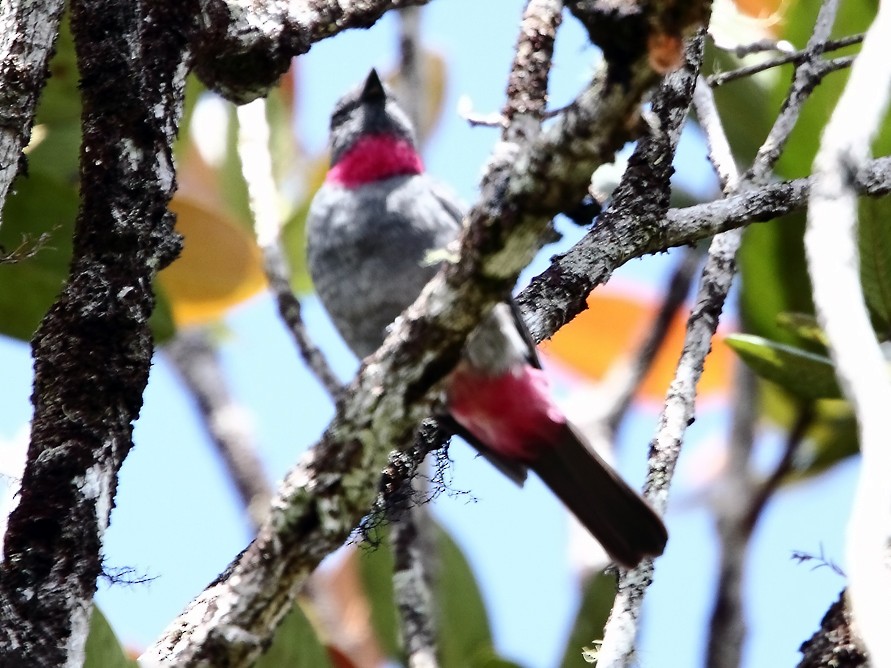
(341, 113)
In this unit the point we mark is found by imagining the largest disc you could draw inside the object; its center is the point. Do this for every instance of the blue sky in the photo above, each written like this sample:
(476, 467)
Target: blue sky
(178, 520)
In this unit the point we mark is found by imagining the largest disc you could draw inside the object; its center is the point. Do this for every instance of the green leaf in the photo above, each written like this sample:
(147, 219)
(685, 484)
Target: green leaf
(774, 277)
(463, 635)
(103, 649)
(295, 645)
(803, 373)
(830, 438)
(875, 259)
(804, 326)
(39, 206)
(376, 570)
(597, 600)
(39, 214)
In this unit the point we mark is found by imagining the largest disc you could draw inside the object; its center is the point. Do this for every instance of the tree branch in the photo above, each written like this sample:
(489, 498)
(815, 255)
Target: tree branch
(797, 57)
(242, 47)
(194, 358)
(28, 31)
(835, 644)
(624, 377)
(831, 244)
(411, 527)
(93, 349)
(717, 278)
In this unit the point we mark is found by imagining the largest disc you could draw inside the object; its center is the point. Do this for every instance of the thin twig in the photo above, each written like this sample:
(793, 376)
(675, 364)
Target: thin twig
(727, 628)
(623, 378)
(411, 524)
(256, 166)
(771, 483)
(831, 245)
(671, 106)
(808, 74)
(762, 45)
(796, 57)
(228, 424)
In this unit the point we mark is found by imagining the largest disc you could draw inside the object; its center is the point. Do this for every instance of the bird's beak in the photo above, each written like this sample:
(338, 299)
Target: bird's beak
(374, 89)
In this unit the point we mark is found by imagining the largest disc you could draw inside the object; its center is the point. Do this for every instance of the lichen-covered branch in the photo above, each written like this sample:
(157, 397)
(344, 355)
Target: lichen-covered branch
(28, 31)
(93, 349)
(243, 47)
(552, 298)
(835, 643)
(527, 84)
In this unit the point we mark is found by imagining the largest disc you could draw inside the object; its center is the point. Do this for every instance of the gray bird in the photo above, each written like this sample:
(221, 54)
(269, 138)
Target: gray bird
(370, 231)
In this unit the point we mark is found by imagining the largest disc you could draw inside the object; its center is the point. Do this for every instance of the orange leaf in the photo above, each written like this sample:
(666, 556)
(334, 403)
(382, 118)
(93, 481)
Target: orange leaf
(612, 327)
(219, 267)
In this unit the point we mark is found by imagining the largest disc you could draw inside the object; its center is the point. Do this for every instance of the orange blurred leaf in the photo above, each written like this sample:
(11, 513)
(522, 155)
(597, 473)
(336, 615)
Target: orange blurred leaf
(219, 267)
(613, 326)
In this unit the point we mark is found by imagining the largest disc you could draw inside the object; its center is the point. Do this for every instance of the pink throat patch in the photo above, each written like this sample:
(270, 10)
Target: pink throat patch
(375, 158)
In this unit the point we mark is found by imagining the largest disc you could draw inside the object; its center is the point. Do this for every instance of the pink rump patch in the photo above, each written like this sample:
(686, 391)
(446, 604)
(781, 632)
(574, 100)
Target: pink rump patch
(513, 414)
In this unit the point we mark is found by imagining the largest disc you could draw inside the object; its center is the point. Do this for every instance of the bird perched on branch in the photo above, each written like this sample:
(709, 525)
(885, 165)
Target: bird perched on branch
(370, 230)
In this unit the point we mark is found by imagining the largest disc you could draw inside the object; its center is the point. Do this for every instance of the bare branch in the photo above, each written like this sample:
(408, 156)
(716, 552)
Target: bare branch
(411, 578)
(527, 85)
(762, 45)
(807, 75)
(797, 57)
(195, 359)
(670, 107)
(831, 244)
(28, 31)
(717, 278)
(835, 643)
(93, 349)
(624, 378)
(552, 298)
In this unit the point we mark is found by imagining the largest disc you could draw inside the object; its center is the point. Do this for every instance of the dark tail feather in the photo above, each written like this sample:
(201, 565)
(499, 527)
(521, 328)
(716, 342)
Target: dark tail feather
(615, 514)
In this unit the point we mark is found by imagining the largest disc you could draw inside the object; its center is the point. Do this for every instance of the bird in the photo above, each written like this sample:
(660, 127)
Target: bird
(371, 230)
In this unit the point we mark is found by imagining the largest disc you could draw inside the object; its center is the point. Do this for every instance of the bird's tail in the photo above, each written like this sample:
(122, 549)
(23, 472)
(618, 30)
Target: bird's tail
(624, 524)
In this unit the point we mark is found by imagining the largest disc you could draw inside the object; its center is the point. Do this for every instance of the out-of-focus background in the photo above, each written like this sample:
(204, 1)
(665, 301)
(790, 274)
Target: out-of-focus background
(178, 521)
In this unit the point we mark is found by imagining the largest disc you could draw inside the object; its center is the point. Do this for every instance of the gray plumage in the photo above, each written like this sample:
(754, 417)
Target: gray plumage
(367, 274)
(370, 234)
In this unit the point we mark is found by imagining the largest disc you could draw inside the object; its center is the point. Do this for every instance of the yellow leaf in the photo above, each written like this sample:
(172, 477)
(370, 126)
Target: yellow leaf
(220, 265)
